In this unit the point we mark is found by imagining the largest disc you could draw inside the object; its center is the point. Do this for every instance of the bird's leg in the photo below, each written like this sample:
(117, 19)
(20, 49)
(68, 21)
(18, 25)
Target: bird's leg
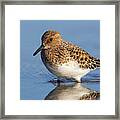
(60, 79)
(78, 79)
(56, 80)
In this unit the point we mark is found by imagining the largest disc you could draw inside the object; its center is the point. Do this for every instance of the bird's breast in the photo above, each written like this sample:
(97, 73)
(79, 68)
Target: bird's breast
(68, 69)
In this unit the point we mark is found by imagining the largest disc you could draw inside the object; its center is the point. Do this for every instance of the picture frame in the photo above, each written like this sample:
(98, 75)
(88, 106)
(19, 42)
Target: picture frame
(70, 2)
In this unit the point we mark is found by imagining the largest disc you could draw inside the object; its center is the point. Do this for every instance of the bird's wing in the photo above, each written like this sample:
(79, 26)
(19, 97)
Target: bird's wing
(84, 59)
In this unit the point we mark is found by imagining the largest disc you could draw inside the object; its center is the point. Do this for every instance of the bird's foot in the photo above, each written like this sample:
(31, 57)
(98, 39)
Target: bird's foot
(56, 81)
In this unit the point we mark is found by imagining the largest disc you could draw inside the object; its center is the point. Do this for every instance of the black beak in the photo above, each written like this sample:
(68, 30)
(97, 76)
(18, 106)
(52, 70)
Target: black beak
(38, 50)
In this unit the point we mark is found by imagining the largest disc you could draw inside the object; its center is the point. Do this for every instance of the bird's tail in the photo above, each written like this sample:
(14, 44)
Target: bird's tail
(97, 62)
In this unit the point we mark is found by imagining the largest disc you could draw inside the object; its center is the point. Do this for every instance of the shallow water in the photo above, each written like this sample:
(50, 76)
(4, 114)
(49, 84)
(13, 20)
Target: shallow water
(72, 91)
(34, 76)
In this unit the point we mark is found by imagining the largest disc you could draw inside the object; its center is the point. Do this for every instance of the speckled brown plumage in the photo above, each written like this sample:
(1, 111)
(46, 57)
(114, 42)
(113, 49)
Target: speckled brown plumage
(66, 52)
(63, 58)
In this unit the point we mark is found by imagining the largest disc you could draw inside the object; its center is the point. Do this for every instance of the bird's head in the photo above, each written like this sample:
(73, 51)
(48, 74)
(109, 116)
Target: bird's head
(50, 39)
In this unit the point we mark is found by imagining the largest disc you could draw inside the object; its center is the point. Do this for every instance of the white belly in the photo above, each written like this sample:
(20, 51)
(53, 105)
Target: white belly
(69, 70)
(72, 70)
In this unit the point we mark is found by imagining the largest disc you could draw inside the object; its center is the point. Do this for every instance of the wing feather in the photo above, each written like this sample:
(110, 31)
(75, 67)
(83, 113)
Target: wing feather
(84, 59)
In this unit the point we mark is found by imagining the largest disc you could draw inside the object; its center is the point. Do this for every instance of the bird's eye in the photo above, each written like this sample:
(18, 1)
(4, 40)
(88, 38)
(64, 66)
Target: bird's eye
(51, 39)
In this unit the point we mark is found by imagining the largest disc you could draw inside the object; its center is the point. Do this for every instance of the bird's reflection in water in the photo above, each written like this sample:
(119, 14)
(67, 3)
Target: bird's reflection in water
(72, 91)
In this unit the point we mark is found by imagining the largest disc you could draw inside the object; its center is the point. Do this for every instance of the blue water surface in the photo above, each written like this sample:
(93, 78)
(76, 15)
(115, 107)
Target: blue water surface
(34, 76)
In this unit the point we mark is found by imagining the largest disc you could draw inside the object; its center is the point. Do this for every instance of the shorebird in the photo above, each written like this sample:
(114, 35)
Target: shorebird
(65, 59)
